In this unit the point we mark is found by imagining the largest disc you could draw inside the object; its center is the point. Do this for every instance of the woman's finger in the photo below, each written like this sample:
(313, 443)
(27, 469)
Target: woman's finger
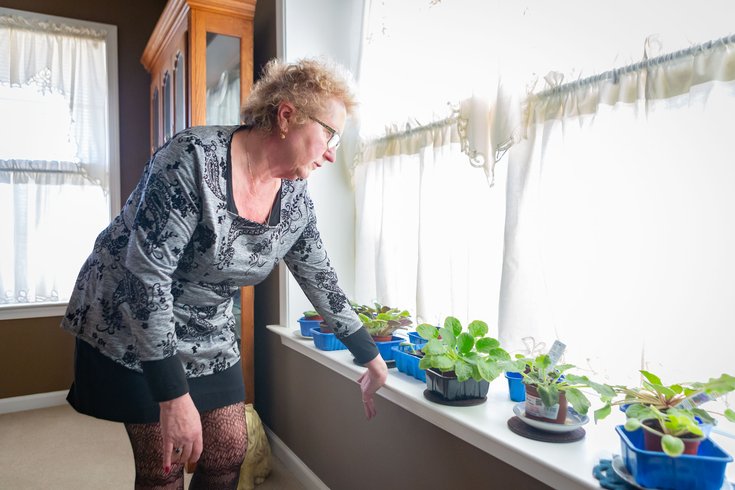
(168, 449)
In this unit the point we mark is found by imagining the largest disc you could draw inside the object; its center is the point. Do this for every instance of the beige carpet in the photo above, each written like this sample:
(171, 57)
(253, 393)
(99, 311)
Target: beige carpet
(61, 449)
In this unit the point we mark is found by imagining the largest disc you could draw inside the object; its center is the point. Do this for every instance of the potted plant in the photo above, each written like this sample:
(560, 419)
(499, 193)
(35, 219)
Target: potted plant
(309, 320)
(460, 364)
(381, 323)
(664, 441)
(671, 415)
(551, 388)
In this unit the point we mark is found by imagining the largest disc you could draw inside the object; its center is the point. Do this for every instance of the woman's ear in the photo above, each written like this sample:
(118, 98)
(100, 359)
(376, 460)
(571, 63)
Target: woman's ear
(286, 112)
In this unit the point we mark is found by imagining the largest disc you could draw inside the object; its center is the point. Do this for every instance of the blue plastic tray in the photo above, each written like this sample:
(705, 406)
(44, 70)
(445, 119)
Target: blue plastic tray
(326, 341)
(406, 363)
(703, 471)
(385, 347)
(416, 339)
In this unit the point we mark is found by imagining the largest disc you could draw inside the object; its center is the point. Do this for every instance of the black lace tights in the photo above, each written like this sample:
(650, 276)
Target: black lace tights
(225, 439)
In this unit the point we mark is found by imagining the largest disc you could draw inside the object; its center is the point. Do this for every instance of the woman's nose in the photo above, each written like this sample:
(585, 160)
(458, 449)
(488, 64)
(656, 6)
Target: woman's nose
(330, 155)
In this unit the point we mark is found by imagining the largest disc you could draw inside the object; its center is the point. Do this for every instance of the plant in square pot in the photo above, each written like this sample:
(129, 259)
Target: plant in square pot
(550, 388)
(672, 416)
(460, 364)
(309, 320)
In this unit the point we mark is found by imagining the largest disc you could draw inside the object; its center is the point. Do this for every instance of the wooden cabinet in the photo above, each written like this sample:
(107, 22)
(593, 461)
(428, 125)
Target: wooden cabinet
(200, 57)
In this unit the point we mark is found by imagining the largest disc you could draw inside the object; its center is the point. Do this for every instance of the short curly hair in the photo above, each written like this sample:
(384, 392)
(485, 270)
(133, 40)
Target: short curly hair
(308, 84)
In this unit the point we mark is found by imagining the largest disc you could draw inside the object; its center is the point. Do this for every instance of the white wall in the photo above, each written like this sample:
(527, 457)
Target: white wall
(311, 29)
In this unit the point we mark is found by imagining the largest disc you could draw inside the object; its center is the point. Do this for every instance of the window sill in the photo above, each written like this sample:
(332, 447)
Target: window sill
(567, 466)
(17, 312)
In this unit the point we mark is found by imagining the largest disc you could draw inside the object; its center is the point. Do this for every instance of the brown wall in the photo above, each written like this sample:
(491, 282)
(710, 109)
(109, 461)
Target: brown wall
(37, 355)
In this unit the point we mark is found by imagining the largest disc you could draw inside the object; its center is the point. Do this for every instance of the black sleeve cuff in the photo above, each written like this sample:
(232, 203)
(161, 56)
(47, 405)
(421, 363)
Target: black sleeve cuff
(361, 345)
(166, 378)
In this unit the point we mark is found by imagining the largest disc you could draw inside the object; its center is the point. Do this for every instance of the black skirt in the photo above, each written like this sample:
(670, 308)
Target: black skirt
(107, 390)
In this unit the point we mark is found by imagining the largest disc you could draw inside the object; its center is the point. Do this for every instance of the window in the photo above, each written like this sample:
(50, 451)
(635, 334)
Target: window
(58, 154)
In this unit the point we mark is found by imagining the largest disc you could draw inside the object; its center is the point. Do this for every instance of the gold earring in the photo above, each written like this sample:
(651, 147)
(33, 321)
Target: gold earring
(283, 135)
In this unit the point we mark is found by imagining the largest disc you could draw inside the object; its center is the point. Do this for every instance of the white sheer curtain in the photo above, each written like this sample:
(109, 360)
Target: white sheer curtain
(54, 154)
(223, 99)
(620, 224)
(428, 228)
(429, 225)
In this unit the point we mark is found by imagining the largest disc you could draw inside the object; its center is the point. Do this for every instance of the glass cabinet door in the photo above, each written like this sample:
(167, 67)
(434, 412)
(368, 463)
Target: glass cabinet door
(223, 79)
(154, 116)
(179, 93)
(167, 108)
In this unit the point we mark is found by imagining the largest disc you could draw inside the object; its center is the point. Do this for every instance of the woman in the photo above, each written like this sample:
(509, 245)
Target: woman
(216, 208)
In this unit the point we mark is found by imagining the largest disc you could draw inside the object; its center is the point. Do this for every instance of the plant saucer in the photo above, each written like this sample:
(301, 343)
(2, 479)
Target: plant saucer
(574, 420)
(297, 334)
(618, 466)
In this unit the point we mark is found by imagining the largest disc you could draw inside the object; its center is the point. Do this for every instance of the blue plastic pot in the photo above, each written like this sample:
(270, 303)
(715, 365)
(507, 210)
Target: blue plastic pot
(516, 387)
(416, 339)
(326, 341)
(385, 347)
(703, 471)
(307, 325)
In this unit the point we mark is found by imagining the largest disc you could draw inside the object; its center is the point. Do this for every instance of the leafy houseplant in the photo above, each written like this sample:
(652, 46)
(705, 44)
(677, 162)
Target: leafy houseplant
(382, 321)
(461, 355)
(549, 388)
(312, 315)
(671, 413)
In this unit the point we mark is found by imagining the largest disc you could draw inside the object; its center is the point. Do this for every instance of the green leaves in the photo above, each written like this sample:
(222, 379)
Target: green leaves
(478, 328)
(465, 343)
(427, 331)
(549, 394)
(577, 400)
(673, 446)
(468, 353)
(632, 425)
(719, 386)
(463, 370)
(487, 344)
(730, 415)
(603, 412)
(453, 325)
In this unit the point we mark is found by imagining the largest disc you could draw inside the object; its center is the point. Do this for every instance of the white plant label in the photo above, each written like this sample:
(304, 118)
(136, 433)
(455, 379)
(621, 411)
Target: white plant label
(535, 407)
(556, 351)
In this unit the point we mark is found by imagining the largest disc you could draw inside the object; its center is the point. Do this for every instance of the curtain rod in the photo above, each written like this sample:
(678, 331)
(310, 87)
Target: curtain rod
(615, 73)
(412, 130)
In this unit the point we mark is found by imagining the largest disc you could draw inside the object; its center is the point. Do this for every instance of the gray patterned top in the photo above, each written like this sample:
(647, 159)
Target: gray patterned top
(158, 285)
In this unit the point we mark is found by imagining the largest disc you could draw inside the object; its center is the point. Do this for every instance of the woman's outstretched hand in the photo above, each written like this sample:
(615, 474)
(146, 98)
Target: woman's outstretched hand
(181, 430)
(370, 381)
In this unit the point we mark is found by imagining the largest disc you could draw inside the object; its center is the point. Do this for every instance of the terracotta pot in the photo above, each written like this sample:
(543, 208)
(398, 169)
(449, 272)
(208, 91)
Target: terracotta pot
(382, 338)
(536, 410)
(652, 442)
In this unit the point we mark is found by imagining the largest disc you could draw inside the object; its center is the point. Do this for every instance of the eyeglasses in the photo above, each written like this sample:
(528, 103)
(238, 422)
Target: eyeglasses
(334, 137)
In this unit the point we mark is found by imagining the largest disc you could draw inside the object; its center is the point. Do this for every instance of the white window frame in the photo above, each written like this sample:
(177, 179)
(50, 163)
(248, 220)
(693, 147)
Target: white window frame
(12, 312)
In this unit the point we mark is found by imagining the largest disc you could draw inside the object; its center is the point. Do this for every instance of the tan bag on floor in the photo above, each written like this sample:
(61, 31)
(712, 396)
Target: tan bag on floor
(257, 465)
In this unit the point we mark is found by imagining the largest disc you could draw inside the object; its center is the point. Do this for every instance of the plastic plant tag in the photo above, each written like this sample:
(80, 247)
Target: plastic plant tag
(535, 407)
(556, 351)
(694, 401)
